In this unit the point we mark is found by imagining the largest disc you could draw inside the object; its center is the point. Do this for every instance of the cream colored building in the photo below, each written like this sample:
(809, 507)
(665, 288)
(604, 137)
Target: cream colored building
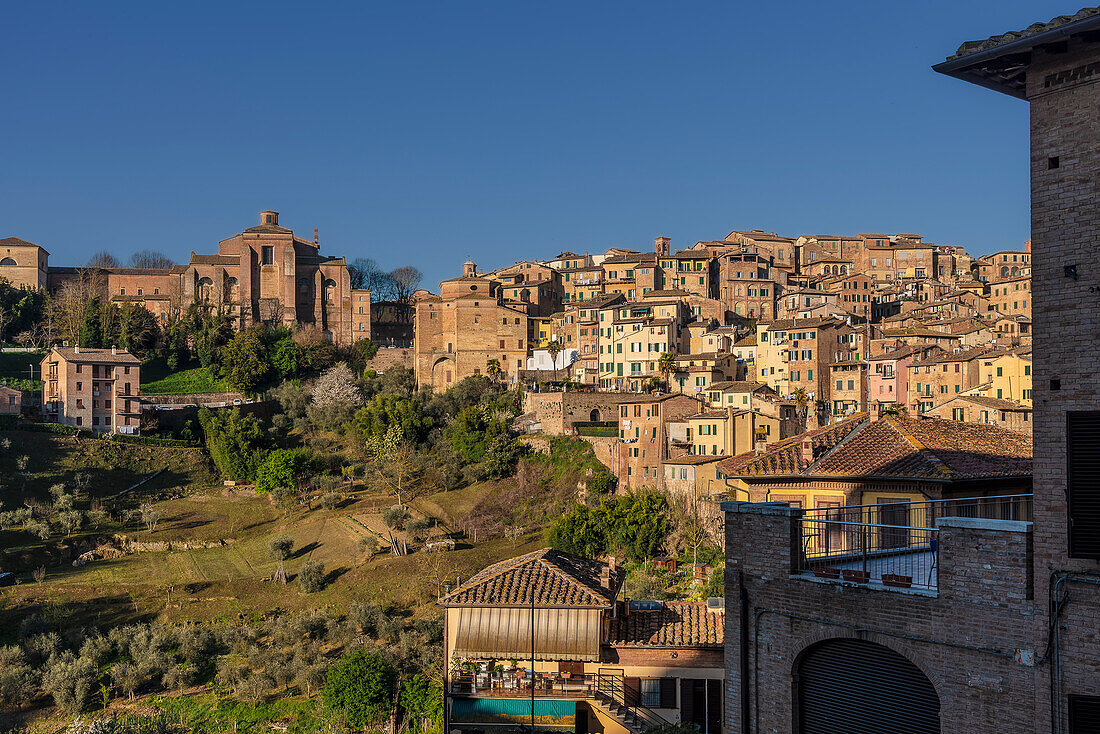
(94, 389)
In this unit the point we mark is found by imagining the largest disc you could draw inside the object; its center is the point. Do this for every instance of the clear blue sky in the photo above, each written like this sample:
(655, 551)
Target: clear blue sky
(429, 132)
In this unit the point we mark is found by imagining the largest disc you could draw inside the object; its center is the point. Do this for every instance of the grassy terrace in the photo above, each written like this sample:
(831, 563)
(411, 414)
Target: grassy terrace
(157, 379)
(15, 366)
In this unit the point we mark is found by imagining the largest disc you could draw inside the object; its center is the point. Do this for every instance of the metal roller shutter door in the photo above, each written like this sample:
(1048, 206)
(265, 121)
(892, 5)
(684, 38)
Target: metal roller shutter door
(857, 687)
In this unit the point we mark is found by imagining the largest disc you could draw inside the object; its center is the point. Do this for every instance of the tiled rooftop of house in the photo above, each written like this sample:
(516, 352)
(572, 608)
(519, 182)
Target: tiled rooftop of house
(676, 624)
(554, 579)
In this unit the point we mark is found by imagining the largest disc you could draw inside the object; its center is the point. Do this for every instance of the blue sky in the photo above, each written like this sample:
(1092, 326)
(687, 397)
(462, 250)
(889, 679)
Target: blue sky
(429, 132)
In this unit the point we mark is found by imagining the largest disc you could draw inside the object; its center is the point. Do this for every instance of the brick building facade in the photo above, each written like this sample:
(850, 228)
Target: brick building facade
(265, 274)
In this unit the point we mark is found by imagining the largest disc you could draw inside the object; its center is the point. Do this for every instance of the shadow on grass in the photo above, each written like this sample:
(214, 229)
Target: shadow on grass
(335, 573)
(306, 549)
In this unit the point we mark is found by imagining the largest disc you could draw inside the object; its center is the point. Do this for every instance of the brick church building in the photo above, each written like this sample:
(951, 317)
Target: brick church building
(265, 274)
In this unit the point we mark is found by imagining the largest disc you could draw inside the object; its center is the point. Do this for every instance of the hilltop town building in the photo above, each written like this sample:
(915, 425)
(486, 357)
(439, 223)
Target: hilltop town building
(265, 274)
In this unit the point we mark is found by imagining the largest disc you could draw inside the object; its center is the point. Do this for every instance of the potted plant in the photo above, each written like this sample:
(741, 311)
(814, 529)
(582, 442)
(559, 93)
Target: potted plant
(856, 576)
(827, 572)
(897, 580)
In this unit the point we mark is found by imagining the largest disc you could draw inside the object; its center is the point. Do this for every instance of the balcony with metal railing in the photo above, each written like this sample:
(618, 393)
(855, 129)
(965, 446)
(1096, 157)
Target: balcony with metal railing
(894, 544)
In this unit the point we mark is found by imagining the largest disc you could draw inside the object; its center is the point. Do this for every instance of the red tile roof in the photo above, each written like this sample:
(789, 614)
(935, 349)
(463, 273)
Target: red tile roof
(555, 578)
(677, 624)
(899, 446)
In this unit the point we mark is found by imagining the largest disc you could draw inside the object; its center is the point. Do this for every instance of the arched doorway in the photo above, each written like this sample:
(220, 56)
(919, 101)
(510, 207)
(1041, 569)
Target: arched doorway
(594, 416)
(848, 686)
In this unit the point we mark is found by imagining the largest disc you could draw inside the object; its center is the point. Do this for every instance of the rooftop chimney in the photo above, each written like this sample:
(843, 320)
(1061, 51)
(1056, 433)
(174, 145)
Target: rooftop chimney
(114, 349)
(269, 217)
(316, 236)
(77, 349)
(808, 451)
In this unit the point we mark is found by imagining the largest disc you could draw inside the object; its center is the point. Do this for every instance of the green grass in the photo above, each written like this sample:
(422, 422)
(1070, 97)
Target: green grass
(157, 379)
(14, 366)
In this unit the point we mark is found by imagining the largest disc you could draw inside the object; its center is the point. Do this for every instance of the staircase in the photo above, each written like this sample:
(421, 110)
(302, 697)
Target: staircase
(610, 696)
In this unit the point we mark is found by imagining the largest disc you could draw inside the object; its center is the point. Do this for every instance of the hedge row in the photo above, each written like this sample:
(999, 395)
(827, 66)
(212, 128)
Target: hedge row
(63, 430)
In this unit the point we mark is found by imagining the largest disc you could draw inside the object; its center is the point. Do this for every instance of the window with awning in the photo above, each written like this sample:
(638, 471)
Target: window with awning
(505, 633)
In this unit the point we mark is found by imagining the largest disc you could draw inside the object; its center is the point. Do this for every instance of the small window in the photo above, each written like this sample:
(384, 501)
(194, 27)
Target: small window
(1053, 162)
(267, 255)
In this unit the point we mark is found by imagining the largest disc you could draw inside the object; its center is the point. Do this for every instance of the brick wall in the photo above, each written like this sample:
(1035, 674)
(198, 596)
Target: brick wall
(964, 638)
(1065, 227)
(559, 410)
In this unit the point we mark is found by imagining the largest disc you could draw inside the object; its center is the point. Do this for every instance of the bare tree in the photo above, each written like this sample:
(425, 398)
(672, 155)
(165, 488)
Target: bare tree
(406, 280)
(150, 259)
(65, 313)
(365, 274)
(103, 259)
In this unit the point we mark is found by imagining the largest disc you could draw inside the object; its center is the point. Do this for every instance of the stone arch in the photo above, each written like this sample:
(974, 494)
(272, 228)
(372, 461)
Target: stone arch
(442, 369)
(1004, 271)
(594, 416)
(799, 646)
(330, 290)
(205, 288)
(7, 262)
(232, 289)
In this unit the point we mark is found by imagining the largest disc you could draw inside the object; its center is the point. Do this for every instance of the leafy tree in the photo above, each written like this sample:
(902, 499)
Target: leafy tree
(280, 549)
(281, 468)
(17, 679)
(312, 576)
(70, 679)
(21, 310)
(501, 454)
(554, 347)
(492, 368)
(245, 360)
(286, 357)
(138, 329)
(91, 329)
(236, 442)
(635, 524)
(384, 410)
(360, 685)
(421, 700)
(361, 352)
(665, 364)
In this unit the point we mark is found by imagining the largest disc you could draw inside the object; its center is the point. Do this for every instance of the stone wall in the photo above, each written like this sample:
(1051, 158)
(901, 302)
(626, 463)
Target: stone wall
(559, 410)
(389, 356)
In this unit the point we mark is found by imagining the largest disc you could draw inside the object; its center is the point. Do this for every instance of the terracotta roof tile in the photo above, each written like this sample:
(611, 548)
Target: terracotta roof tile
(556, 578)
(676, 624)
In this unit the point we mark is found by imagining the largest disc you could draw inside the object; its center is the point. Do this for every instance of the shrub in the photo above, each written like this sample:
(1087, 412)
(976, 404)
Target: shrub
(394, 517)
(281, 468)
(330, 500)
(418, 529)
(312, 576)
(69, 680)
(360, 686)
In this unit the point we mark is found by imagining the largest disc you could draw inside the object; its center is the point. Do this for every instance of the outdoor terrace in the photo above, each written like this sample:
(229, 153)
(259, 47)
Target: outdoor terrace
(894, 545)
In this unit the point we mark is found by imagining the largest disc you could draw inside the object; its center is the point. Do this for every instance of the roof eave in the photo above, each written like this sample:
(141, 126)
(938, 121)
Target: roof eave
(963, 66)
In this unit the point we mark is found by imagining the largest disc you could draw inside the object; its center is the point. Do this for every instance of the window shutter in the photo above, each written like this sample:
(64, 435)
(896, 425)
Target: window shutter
(1084, 714)
(687, 700)
(668, 693)
(1083, 482)
(632, 691)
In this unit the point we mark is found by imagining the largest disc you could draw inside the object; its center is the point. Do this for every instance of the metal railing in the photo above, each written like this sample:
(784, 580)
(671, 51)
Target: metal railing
(517, 684)
(611, 690)
(892, 543)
